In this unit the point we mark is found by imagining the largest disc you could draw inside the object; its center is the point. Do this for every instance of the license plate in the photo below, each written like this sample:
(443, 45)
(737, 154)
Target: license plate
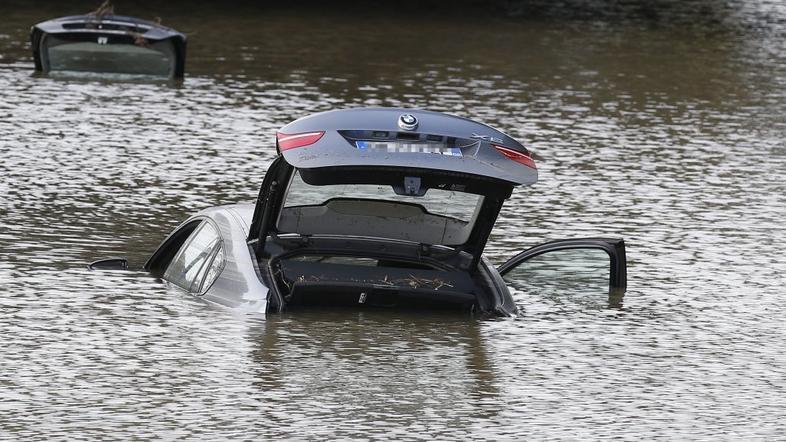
(408, 147)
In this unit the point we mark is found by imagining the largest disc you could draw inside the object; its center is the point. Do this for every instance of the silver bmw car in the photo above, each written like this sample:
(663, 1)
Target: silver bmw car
(378, 208)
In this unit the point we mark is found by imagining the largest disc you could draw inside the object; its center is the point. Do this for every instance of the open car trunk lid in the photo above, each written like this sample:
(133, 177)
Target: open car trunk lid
(364, 149)
(379, 137)
(386, 219)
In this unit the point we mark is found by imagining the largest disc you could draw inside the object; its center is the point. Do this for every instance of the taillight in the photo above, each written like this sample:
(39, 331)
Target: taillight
(287, 141)
(516, 156)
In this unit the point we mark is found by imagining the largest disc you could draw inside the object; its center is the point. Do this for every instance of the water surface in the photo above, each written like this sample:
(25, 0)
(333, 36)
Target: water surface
(664, 129)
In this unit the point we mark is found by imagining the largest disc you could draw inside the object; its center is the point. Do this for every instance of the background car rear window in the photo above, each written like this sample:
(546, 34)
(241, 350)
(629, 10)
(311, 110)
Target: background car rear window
(188, 268)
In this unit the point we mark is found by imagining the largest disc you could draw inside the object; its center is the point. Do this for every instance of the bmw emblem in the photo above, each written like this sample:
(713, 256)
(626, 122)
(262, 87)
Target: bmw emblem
(407, 122)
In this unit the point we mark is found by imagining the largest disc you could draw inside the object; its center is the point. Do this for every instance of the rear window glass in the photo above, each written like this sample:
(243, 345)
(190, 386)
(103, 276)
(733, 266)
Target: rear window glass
(458, 205)
(438, 217)
(153, 58)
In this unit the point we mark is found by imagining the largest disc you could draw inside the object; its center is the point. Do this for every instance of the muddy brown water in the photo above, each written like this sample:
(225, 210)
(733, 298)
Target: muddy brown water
(663, 126)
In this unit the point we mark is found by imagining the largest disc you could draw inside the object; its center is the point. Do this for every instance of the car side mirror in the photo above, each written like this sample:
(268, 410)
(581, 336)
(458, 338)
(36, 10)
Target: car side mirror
(109, 264)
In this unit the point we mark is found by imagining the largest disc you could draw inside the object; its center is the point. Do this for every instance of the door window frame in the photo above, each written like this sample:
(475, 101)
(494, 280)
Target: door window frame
(614, 248)
(201, 274)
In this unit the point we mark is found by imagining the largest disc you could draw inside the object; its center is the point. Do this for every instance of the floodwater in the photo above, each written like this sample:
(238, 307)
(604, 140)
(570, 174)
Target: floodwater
(663, 126)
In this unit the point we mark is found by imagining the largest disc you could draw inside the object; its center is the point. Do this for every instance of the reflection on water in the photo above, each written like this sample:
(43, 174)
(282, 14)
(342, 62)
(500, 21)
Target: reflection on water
(345, 360)
(667, 131)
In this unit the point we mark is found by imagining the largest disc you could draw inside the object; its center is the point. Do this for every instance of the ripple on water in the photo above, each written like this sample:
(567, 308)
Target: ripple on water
(668, 136)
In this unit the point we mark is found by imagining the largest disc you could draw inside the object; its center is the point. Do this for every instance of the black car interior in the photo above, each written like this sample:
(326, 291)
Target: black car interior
(371, 283)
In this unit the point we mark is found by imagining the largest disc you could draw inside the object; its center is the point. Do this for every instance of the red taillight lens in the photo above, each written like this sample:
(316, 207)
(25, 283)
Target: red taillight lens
(291, 141)
(516, 156)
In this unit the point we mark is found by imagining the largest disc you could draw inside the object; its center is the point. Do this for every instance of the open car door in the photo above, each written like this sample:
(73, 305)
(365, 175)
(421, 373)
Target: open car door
(571, 266)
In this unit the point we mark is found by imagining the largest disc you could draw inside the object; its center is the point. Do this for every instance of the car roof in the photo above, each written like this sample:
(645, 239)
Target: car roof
(472, 147)
(111, 24)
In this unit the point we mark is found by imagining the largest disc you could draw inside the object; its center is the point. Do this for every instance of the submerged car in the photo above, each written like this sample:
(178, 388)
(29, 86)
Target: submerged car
(377, 208)
(108, 44)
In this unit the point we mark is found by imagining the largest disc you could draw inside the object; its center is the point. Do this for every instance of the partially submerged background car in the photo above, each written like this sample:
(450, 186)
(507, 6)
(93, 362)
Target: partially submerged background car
(108, 43)
(375, 208)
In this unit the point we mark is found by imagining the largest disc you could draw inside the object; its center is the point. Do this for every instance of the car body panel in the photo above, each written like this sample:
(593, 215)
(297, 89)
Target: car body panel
(149, 30)
(238, 285)
(334, 149)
